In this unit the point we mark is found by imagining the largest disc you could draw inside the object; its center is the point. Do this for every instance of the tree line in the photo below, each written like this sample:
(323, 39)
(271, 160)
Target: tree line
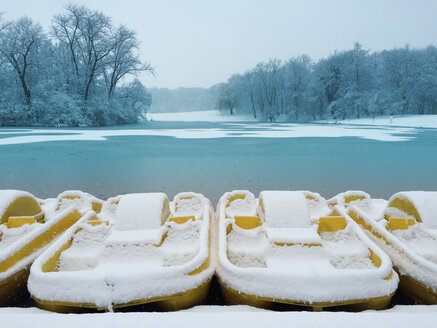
(73, 75)
(347, 84)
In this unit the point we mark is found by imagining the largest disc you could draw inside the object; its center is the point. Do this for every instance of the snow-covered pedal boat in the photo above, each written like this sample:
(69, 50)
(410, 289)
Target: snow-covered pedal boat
(140, 249)
(27, 226)
(290, 247)
(407, 232)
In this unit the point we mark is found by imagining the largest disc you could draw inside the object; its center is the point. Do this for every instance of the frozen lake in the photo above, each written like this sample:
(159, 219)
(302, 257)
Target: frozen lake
(212, 158)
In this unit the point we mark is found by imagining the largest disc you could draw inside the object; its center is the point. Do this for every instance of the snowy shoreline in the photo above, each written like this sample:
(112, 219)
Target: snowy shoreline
(222, 316)
(417, 121)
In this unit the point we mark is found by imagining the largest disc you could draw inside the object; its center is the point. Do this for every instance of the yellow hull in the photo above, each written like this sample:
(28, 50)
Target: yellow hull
(14, 285)
(234, 297)
(173, 302)
(417, 291)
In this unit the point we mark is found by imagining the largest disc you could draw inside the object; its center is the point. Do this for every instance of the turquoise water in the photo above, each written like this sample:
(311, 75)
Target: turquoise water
(125, 164)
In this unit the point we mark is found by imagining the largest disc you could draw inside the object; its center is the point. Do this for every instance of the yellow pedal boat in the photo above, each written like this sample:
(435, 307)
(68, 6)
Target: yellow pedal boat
(27, 227)
(139, 249)
(290, 247)
(407, 232)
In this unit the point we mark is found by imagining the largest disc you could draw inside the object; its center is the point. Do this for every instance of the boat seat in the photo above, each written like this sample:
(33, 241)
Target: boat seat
(188, 206)
(141, 211)
(284, 209)
(15, 203)
(136, 237)
(241, 203)
(293, 236)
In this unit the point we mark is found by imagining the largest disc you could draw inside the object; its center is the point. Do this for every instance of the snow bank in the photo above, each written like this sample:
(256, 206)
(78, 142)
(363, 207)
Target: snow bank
(225, 316)
(418, 121)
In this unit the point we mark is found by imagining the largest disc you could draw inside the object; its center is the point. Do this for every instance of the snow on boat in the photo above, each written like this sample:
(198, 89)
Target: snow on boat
(27, 226)
(290, 247)
(374, 207)
(83, 201)
(408, 234)
(139, 249)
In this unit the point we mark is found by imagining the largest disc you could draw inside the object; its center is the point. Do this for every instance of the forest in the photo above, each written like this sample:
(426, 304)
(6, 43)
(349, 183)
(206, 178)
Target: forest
(347, 84)
(75, 74)
(84, 72)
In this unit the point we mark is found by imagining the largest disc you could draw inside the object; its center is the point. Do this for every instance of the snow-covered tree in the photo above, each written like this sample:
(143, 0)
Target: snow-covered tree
(352, 83)
(123, 58)
(19, 45)
(73, 76)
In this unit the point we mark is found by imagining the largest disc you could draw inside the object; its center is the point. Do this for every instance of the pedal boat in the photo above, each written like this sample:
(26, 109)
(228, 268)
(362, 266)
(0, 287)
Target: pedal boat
(408, 234)
(140, 249)
(26, 229)
(290, 247)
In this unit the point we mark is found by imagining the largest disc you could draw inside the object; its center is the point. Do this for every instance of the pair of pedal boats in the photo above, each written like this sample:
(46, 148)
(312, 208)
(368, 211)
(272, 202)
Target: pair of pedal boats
(289, 247)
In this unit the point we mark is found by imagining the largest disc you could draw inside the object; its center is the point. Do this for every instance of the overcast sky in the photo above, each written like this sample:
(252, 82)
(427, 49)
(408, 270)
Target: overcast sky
(203, 42)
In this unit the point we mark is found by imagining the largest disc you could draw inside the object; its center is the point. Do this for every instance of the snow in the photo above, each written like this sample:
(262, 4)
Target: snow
(132, 237)
(198, 116)
(86, 248)
(224, 130)
(187, 204)
(141, 211)
(419, 241)
(12, 240)
(293, 235)
(9, 236)
(373, 207)
(418, 121)
(423, 316)
(18, 241)
(340, 199)
(82, 201)
(241, 206)
(285, 209)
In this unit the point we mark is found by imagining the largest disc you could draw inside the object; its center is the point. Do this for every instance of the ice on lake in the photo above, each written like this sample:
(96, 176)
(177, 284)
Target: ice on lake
(214, 157)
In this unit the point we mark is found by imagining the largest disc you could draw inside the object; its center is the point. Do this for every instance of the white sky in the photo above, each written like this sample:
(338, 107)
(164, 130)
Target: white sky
(203, 42)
